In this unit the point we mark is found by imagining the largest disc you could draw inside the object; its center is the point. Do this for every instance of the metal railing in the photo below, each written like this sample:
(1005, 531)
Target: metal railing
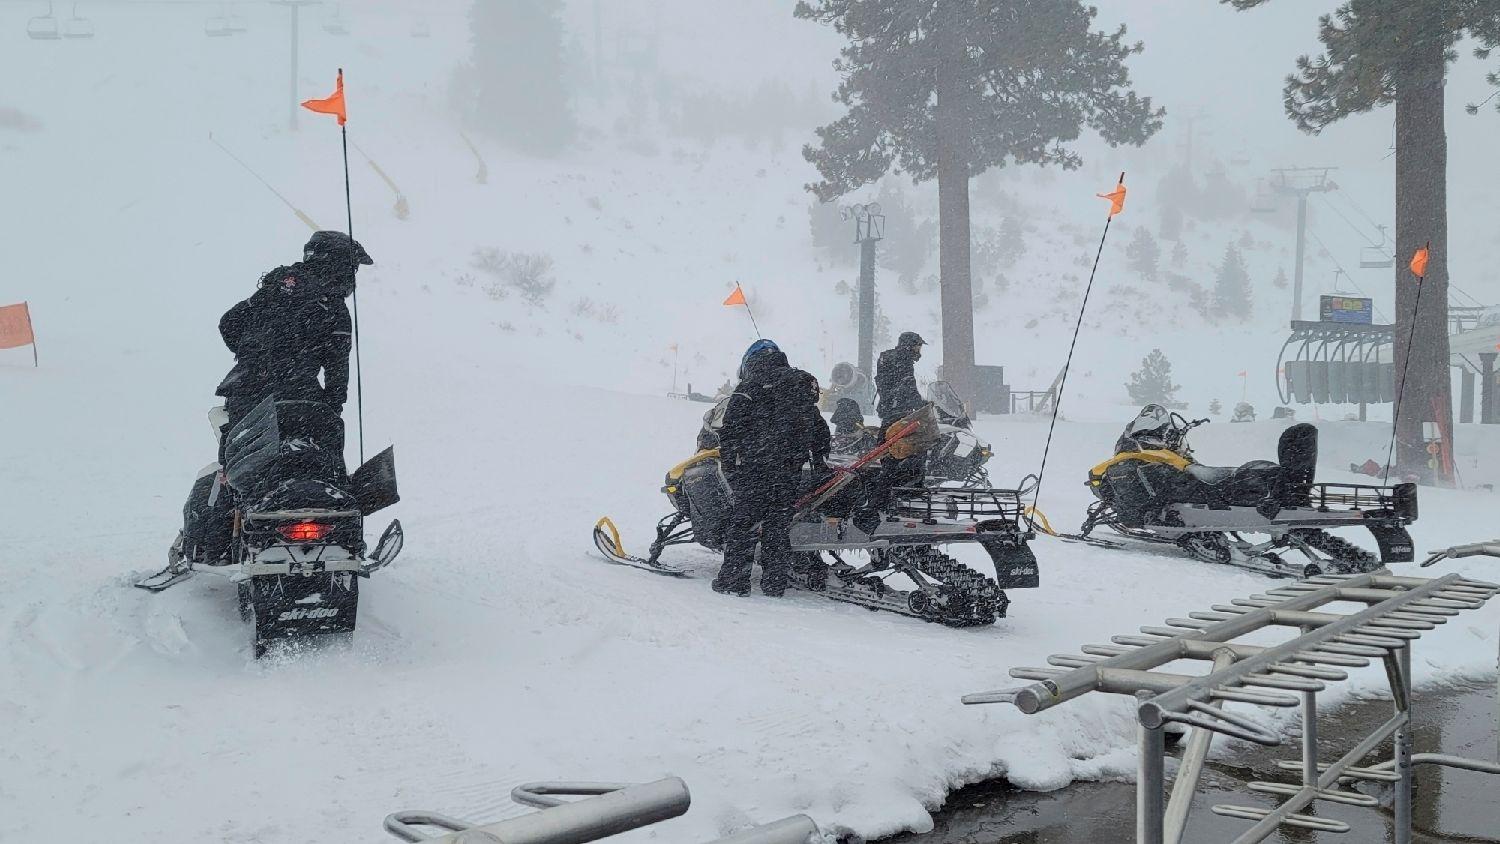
(607, 809)
(1397, 611)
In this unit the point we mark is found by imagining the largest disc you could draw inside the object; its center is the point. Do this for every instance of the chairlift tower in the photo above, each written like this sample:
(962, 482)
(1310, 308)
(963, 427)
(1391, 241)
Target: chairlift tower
(1301, 182)
(296, 8)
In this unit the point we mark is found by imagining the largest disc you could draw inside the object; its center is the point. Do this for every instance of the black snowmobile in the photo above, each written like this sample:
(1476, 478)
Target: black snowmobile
(1154, 490)
(903, 540)
(297, 545)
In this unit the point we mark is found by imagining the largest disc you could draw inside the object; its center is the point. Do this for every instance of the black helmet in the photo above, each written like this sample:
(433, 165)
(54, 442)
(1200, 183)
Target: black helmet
(910, 338)
(336, 246)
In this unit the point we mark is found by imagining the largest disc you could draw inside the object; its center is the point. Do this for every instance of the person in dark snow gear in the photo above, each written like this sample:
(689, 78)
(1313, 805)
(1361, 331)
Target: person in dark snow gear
(771, 428)
(850, 433)
(896, 383)
(896, 379)
(293, 329)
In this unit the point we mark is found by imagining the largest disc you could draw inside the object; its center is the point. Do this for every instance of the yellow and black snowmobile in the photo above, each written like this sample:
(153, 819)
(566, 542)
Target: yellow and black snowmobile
(1153, 489)
(903, 539)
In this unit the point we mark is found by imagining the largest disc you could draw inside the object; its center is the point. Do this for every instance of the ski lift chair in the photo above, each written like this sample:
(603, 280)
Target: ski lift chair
(1375, 258)
(217, 27)
(1264, 202)
(78, 27)
(44, 27)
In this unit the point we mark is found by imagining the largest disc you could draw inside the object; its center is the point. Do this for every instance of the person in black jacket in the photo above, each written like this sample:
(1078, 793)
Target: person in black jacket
(896, 379)
(771, 428)
(292, 330)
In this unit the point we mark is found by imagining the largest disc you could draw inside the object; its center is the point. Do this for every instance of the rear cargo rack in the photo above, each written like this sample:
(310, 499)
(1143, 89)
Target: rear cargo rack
(1400, 500)
(951, 504)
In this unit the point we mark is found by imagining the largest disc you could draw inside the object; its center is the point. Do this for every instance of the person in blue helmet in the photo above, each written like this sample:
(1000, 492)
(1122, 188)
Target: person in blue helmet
(771, 427)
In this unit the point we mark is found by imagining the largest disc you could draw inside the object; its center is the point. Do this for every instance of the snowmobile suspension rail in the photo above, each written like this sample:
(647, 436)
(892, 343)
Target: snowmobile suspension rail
(1397, 611)
(606, 810)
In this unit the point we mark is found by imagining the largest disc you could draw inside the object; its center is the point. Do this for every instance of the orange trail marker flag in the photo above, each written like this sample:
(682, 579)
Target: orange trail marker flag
(335, 104)
(738, 298)
(1116, 197)
(332, 104)
(1419, 261)
(15, 329)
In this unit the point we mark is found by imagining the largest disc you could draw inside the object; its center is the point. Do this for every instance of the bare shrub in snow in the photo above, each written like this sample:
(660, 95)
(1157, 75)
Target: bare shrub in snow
(529, 274)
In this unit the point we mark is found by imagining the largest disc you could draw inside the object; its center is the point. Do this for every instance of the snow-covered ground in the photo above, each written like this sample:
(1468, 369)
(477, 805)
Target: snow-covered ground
(500, 648)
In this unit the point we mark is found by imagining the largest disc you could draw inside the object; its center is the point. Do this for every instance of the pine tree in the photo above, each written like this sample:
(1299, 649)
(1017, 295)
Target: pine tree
(1012, 242)
(947, 89)
(522, 94)
(1171, 223)
(1143, 254)
(1152, 384)
(1215, 407)
(1280, 281)
(1382, 52)
(1232, 286)
(1179, 255)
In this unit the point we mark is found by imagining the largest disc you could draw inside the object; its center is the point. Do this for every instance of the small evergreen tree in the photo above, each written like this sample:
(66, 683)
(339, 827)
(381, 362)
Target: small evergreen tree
(1012, 241)
(1215, 407)
(1232, 286)
(1153, 383)
(1171, 223)
(1179, 255)
(1143, 254)
(522, 93)
(1280, 281)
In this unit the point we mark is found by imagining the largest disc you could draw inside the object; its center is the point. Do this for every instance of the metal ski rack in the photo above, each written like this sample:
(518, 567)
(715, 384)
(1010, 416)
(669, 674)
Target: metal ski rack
(608, 809)
(1397, 611)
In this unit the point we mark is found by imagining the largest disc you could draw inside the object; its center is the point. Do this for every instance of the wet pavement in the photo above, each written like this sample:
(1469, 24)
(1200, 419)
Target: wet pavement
(1449, 806)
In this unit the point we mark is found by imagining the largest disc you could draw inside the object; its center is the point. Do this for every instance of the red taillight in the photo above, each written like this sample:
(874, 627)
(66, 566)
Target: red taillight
(304, 531)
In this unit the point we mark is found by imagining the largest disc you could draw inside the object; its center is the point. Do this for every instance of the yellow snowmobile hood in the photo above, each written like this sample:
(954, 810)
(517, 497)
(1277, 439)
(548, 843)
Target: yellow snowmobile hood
(1159, 456)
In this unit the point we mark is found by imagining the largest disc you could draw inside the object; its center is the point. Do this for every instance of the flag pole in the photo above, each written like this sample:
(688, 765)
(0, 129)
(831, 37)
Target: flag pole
(359, 387)
(1411, 336)
(749, 311)
(1062, 380)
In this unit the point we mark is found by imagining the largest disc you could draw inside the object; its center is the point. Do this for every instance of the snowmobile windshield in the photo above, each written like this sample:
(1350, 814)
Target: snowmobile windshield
(942, 394)
(1149, 429)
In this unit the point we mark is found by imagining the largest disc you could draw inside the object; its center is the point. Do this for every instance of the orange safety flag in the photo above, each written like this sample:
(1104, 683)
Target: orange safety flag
(1116, 197)
(333, 104)
(1419, 261)
(737, 297)
(15, 327)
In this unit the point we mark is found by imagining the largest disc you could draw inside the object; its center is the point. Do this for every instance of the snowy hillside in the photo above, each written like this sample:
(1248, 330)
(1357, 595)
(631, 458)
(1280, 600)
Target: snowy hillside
(500, 649)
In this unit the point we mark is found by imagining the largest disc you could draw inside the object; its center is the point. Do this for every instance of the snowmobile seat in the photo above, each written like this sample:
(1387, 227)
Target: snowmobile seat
(1211, 475)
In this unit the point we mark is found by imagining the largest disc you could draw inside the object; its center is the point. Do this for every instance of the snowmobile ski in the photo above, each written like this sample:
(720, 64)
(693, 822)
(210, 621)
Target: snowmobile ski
(178, 569)
(165, 579)
(607, 540)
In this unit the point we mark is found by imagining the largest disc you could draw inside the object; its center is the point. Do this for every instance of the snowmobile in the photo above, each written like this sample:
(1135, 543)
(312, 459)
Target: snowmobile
(903, 538)
(956, 457)
(1154, 490)
(297, 547)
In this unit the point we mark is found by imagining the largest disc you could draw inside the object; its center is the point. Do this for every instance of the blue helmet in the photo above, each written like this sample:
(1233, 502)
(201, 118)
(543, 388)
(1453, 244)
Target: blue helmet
(757, 347)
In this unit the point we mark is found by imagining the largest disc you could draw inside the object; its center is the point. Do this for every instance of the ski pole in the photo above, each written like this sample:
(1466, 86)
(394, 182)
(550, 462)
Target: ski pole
(1118, 198)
